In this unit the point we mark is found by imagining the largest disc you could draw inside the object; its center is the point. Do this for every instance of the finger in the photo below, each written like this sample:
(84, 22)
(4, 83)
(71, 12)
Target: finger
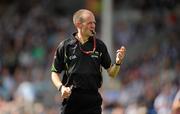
(121, 49)
(66, 95)
(120, 53)
(121, 56)
(68, 90)
(65, 91)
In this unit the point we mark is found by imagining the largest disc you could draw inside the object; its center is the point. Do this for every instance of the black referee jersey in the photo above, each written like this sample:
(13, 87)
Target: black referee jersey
(82, 70)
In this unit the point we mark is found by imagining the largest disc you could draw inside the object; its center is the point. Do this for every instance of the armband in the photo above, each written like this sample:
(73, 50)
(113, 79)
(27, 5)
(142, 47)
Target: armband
(60, 88)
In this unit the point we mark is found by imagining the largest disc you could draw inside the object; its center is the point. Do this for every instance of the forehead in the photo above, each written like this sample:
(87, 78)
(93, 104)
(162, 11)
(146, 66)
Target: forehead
(88, 16)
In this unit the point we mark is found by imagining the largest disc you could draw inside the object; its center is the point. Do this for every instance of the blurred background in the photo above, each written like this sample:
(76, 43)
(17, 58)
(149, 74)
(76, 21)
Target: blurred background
(30, 31)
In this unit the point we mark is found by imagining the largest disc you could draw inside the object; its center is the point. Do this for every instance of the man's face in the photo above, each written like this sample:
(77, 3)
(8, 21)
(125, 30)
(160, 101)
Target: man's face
(88, 25)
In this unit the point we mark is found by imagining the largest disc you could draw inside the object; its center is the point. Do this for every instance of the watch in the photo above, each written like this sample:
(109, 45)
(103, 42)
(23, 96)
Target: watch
(117, 64)
(60, 87)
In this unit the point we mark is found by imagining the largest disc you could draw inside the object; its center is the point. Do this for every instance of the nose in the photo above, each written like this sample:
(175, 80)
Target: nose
(93, 25)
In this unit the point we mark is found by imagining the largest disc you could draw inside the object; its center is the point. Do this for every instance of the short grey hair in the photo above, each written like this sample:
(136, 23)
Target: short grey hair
(78, 15)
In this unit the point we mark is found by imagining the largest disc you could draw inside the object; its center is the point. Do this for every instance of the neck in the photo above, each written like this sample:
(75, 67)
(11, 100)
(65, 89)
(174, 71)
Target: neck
(82, 38)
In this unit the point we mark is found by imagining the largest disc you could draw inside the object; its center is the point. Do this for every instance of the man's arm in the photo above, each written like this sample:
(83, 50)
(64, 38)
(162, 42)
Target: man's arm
(65, 91)
(56, 80)
(115, 68)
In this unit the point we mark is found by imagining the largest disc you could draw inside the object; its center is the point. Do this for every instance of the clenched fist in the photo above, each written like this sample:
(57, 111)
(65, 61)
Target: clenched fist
(65, 92)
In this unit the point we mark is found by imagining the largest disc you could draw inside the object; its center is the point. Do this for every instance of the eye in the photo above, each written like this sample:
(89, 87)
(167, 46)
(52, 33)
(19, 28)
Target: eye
(92, 22)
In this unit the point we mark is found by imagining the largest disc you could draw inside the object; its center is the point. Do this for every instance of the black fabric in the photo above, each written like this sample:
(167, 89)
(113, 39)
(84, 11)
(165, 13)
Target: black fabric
(81, 70)
(82, 102)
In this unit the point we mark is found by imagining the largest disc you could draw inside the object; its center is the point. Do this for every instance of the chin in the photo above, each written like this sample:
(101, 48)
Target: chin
(91, 34)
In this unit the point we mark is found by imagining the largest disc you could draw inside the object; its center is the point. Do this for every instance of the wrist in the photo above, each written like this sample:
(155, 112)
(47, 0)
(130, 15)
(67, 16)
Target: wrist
(60, 87)
(117, 64)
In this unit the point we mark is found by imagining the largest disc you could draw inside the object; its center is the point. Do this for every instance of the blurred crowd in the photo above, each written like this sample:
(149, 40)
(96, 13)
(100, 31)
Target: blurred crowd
(150, 77)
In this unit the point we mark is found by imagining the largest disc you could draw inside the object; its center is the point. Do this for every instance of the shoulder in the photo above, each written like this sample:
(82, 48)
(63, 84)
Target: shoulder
(62, 44)
(66, 42)
(100, 43)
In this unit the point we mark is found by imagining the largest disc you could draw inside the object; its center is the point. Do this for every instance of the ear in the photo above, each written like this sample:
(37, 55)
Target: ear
(78, 25)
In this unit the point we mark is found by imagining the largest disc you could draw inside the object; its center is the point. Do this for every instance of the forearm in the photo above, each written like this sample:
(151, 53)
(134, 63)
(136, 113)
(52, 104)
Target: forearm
(56, 80)
(114, 70)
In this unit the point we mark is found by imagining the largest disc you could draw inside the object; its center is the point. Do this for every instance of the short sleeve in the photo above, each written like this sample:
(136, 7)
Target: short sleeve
(105, 57)
(58, 64)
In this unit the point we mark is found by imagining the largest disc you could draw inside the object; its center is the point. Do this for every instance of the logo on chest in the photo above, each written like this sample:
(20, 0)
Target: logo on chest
(96, 54)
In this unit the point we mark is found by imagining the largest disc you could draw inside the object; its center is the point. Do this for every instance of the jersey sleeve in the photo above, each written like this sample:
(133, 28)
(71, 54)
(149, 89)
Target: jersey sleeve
(58, 64)
(105, 57)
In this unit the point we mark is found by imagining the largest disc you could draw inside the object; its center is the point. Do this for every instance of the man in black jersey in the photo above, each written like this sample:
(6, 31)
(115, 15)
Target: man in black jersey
(82, 57)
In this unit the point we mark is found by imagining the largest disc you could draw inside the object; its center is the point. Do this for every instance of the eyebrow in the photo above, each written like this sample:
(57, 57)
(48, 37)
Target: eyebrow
(91, 22)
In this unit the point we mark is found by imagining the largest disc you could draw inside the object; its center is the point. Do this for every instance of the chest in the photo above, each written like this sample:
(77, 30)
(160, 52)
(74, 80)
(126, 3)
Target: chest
(75, 55)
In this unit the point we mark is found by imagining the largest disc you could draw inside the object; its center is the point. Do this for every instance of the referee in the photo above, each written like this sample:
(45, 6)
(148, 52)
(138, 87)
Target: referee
(82, 57)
